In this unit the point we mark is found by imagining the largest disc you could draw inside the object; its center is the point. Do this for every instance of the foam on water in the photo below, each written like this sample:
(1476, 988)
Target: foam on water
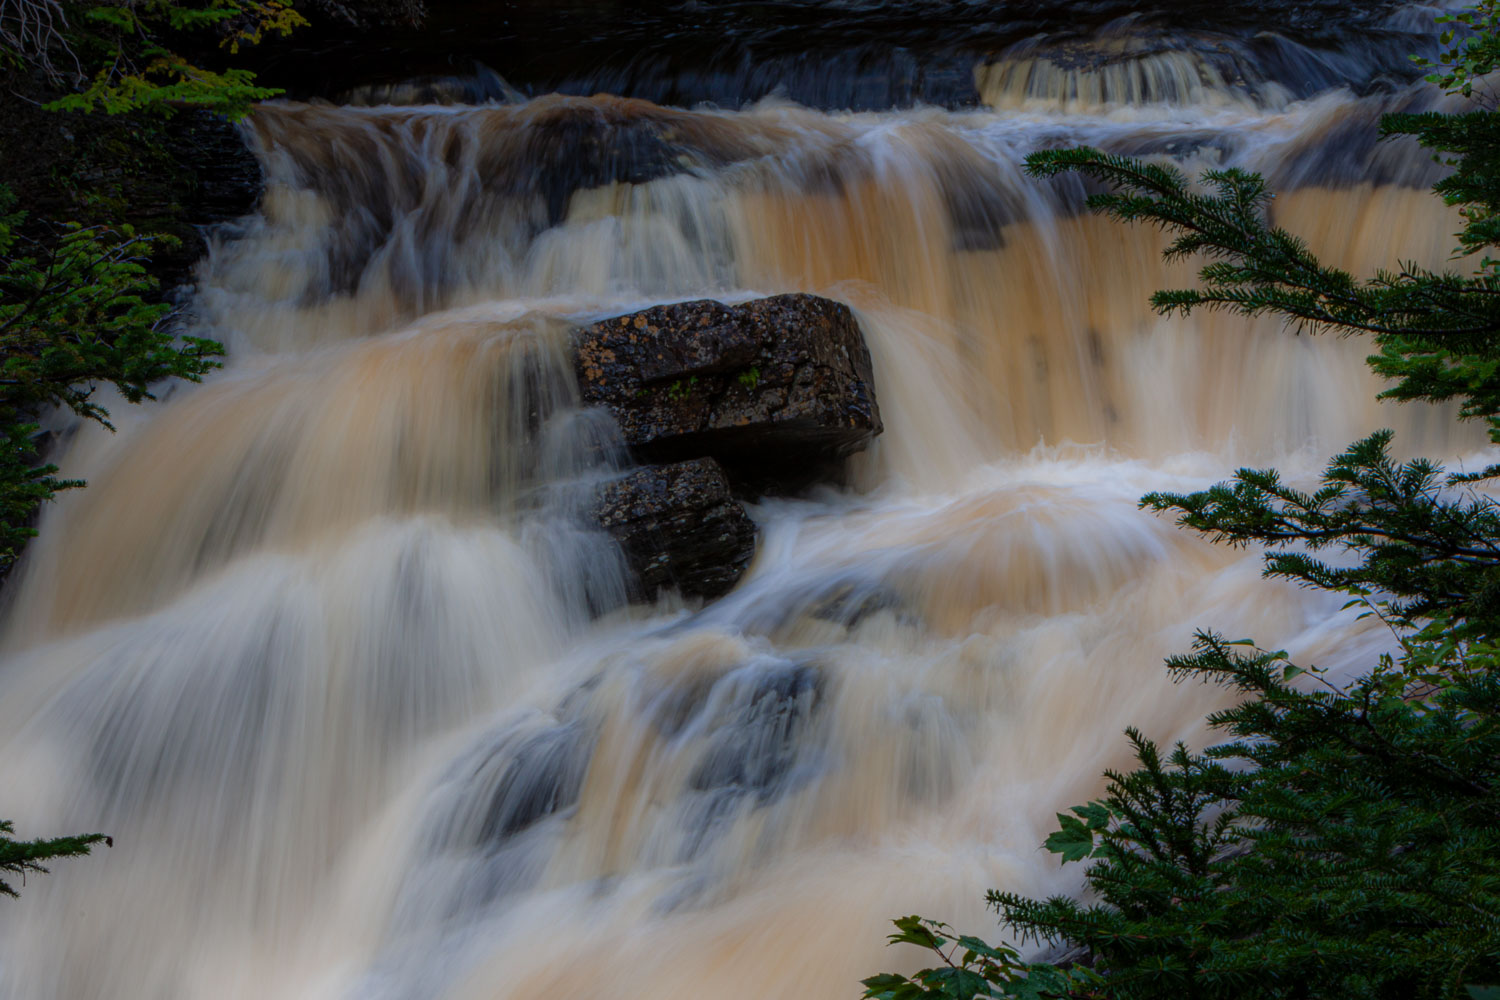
(326, 648)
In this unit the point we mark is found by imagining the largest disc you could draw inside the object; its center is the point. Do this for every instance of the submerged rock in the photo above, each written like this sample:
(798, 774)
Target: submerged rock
(679, 527)
(532, 778)
(761, 731)
(776, 389)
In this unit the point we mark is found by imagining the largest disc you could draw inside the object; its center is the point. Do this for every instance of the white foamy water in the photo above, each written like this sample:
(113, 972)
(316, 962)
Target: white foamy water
(325, 648)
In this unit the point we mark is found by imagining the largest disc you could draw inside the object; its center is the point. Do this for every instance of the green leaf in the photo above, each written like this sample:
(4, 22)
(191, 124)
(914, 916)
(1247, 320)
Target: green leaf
(1095, 814)
(1074, 841)
(977, 947)
(914, 930)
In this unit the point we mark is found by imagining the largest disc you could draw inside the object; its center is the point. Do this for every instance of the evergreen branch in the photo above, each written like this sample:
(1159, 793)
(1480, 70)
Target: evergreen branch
(23, 857)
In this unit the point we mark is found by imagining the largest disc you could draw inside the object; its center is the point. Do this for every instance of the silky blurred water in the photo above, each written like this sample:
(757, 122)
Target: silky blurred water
(326, 648)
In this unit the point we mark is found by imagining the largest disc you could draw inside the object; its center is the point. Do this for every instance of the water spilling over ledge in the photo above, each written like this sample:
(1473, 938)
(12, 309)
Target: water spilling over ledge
(326, 649)
(860, 54)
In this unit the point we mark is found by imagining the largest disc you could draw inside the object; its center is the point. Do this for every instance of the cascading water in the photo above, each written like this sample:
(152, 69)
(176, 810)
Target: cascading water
(326, 648)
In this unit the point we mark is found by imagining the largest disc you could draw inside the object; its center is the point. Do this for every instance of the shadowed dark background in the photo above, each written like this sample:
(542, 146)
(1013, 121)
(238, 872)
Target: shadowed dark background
(858, 54)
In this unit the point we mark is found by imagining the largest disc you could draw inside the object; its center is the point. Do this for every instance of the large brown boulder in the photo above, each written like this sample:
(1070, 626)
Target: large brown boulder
(678, 526)
(776, 389)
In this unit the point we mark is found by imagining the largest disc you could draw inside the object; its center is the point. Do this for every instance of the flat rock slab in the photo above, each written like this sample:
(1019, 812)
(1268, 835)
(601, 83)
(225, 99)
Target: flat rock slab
(679, 527)
(776, 389)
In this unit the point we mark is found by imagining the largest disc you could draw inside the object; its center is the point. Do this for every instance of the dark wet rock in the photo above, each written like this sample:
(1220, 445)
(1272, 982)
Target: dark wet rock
(538, 778)
(845, 598)
(512, 170)
(560, 146)
(679, 526)
(776, 389)
(760, 730)
(1351, 152)
(516, 776)
(852, 603)
(179, 178)
(857, 54)
(224, 182)
(762, 740)
(367, 15)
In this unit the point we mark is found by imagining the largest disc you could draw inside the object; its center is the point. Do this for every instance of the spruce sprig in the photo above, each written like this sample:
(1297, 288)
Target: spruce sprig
(19, 858)
(1342, 841)
(1419, 537)
(1435, 332)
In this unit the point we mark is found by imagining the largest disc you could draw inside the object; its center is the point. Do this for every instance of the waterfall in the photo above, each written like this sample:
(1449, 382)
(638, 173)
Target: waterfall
(328, 650)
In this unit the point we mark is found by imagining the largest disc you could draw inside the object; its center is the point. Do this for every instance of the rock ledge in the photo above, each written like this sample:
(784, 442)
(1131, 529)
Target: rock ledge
(777, 389)
(679, 526)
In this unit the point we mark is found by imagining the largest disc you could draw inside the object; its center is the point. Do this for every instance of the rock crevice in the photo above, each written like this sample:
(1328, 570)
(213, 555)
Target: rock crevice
(778, 390)
(679, 526)
(767, 396)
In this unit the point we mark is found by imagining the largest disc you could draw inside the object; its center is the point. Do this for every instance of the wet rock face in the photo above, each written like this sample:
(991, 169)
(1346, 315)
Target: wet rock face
(193, 174)
(226, 183)
(832, 54)
(776, 389)
(679, 527)
(768, 395)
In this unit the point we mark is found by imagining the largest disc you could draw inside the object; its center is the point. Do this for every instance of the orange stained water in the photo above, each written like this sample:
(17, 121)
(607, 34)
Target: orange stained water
(327, 650)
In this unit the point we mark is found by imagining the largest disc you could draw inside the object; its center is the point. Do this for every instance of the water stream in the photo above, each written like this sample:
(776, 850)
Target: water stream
(326, 648)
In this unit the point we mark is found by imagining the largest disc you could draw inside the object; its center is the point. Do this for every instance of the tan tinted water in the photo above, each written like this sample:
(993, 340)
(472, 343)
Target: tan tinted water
(317, 644)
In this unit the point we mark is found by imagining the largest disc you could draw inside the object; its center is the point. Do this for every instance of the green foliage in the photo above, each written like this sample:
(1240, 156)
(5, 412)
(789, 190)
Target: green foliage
(76, 303)
(1415, 535)
(1342, 842)
(1436, 332)
(969, 968)
(1074, 839)
(1470, 144)
(136, 51)
(73, 315)
(25, 857)
(1434, 548)
(750, 379)
(1477, 29)
(163, 82)
(138, 71)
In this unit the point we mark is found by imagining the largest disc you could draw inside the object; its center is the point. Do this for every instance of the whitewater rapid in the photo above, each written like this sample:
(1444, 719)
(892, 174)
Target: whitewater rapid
(326, 648)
